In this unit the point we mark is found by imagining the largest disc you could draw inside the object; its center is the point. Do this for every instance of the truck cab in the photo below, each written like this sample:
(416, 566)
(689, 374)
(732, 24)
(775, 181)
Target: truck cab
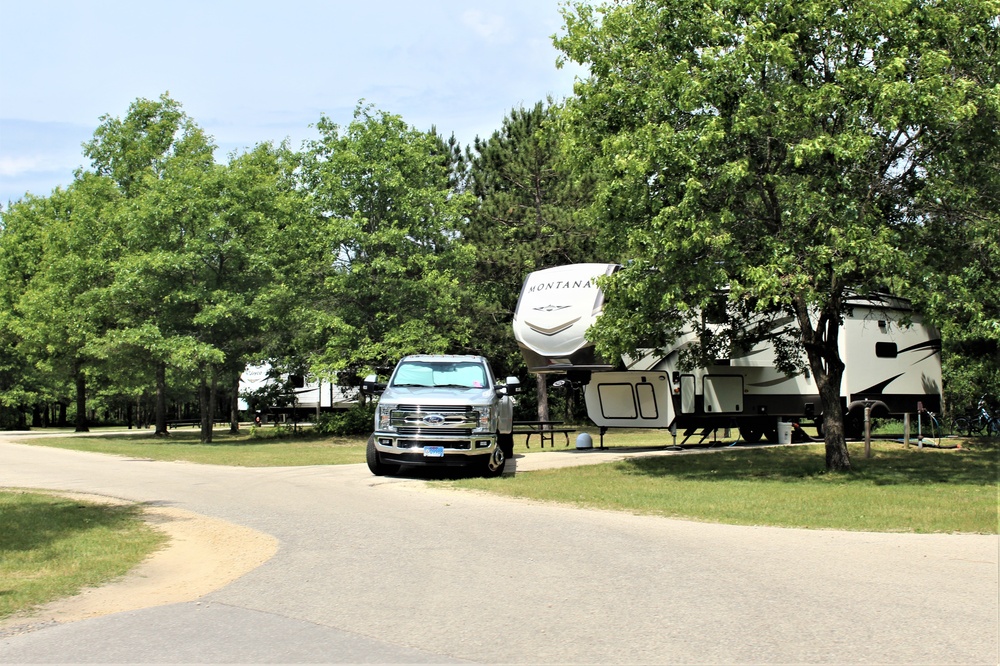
(443, 411)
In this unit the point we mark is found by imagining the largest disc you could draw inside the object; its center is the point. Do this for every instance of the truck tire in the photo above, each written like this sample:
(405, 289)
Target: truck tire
(506, 442)
(374, 460)
(494, 464)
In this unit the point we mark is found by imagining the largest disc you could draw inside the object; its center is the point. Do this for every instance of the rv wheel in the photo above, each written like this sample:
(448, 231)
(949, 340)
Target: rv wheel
(854, 424)
(750, 435)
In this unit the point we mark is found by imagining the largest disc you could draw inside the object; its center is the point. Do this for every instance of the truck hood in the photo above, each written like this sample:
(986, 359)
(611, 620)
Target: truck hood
(475, 397)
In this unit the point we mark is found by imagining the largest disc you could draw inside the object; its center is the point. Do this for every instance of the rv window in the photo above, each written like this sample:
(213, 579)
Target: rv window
(886, 350)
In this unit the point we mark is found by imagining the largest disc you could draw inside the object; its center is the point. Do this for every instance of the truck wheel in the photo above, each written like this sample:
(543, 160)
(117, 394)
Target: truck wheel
(374, 460)
(506, 442)
(495, 463)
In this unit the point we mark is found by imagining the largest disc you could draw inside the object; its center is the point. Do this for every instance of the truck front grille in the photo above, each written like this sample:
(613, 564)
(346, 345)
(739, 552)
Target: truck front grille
(434, 432)
(447, 420)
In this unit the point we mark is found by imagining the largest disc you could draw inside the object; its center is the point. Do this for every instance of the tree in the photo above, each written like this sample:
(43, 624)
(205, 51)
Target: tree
(527, 217)
(21, 251)
(258, 202)
(164, 167)
(379, 262)
(775, 149)
(55, 316)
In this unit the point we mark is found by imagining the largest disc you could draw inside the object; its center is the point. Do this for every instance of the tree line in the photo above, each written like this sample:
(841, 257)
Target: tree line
(793, 153)
(159, 273)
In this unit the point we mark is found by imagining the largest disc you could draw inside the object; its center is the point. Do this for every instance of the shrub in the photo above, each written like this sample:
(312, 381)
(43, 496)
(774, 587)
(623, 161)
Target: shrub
(353, 421)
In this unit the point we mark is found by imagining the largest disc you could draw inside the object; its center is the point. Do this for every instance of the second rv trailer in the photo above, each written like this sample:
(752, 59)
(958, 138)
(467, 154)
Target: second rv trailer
(894, 366)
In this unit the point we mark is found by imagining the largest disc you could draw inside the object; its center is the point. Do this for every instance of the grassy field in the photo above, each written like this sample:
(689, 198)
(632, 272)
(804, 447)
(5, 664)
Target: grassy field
(52, 547)
(243, 450)
(900, 489)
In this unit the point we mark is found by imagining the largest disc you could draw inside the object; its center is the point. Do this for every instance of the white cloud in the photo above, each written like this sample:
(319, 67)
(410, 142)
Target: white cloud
(491, 27)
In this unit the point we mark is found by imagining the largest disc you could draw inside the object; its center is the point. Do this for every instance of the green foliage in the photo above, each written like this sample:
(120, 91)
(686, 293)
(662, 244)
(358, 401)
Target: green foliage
(528, 217)
(344, 423)
(382, 263)
(779, 150)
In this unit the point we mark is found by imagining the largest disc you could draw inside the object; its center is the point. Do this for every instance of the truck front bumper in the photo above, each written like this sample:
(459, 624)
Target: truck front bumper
(440, 451)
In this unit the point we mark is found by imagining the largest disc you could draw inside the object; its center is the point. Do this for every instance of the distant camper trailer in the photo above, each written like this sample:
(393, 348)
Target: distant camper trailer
(894, 367)
(306, 396)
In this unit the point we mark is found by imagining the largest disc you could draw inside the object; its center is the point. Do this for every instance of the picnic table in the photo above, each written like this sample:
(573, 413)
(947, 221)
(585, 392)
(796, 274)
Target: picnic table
(546, 431)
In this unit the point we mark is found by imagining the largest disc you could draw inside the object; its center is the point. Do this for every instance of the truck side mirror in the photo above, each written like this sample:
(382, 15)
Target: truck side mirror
(513, 387)
(372, 386)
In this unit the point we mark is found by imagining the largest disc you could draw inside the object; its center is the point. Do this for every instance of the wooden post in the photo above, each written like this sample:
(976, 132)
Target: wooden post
(868, 430)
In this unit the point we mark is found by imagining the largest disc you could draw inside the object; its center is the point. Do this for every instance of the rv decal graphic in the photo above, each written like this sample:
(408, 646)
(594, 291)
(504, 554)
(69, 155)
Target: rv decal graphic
(878, 388)
(561, 284)
(553, 330)
(552, 308)
(931, 346)
(775, 382)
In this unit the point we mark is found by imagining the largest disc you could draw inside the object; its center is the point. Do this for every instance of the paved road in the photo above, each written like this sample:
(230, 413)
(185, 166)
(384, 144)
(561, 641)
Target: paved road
(376, 570)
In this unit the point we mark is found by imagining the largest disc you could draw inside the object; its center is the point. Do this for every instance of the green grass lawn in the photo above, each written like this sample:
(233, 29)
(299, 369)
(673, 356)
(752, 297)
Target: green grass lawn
(906, 489)
(243, 450)
(53, 547)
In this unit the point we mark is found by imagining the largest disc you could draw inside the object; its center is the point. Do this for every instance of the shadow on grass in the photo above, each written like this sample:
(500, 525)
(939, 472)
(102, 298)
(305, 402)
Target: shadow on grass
(30, 522)
(977, 464)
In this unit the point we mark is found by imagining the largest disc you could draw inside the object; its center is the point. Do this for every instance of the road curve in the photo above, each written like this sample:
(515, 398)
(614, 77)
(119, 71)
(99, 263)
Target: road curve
(373, 570)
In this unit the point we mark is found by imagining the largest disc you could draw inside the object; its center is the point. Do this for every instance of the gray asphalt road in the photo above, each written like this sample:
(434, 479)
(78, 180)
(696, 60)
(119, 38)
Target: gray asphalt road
(377, 570)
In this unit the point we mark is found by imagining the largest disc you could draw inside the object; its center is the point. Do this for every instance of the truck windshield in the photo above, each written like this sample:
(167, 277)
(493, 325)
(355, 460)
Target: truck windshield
(431, 374)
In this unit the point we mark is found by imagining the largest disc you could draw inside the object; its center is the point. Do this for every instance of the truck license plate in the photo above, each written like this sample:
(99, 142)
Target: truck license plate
(434, 452)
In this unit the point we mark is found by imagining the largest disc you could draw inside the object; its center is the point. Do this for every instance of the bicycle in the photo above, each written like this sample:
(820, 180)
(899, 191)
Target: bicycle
(983, 422)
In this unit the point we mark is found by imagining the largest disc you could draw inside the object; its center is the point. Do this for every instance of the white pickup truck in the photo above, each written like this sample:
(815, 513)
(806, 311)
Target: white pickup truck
(443, 410)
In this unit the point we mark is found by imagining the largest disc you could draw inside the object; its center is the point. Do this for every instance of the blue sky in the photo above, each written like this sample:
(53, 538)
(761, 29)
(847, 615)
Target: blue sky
(251, 71)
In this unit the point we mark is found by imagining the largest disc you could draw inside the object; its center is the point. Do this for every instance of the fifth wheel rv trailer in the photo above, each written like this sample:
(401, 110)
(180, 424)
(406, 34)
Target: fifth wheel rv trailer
(893, 366)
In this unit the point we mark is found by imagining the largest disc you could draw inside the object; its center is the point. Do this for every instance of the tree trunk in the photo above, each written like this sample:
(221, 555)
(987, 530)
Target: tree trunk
(837, 457)
(161, 400)
(823, 351)
(81, 400)
(205, 410)
(62, 414)
(543, 398)
(234, 408)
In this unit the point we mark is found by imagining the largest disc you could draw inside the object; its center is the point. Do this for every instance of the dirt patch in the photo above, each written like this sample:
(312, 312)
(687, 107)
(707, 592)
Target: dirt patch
(202, 555)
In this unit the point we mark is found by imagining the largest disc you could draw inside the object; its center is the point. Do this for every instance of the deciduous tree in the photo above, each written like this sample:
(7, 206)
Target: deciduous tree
(380, 258)
(777, 149)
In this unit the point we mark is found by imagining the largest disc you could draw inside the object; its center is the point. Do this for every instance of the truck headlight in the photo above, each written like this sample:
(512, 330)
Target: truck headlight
(383, 420)
(485, 423)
